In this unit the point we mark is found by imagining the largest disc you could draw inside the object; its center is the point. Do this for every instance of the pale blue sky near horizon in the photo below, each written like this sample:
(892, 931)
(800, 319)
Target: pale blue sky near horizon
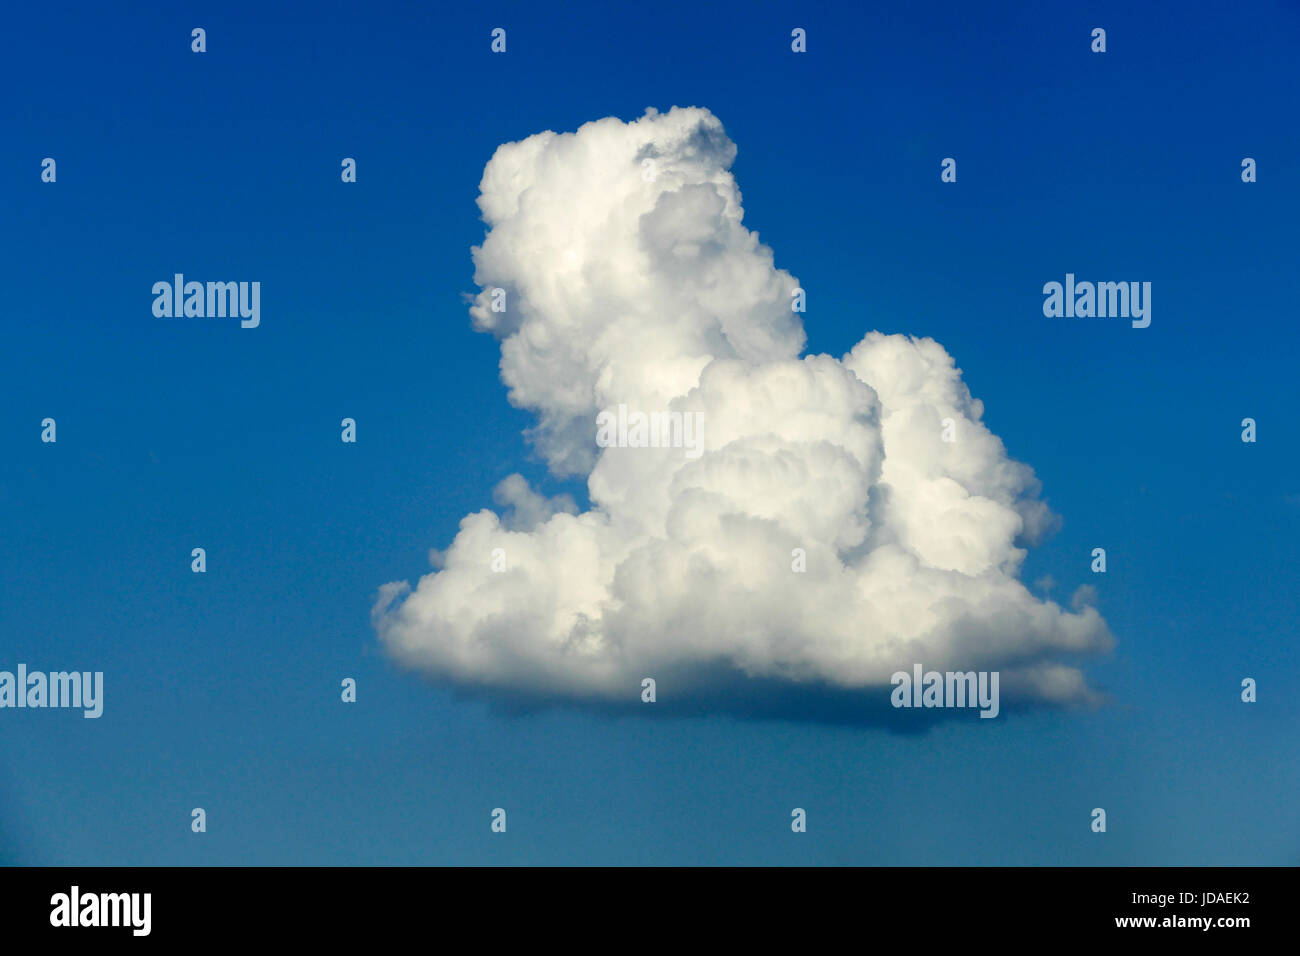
(222, 690)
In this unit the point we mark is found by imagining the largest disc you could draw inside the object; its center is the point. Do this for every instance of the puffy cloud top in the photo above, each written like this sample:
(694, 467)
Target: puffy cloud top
(630, 280)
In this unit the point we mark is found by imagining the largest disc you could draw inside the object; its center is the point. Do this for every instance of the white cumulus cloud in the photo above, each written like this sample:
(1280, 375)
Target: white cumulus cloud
(630, 279)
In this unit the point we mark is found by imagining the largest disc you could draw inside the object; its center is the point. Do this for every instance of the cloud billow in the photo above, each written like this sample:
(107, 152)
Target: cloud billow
(630, 280)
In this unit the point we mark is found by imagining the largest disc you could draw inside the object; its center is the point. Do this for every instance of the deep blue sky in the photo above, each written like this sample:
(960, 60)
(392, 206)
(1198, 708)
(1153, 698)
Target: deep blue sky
(222, 690)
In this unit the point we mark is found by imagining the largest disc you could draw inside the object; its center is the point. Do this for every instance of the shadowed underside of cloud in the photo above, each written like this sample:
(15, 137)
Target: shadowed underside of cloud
(630, 279)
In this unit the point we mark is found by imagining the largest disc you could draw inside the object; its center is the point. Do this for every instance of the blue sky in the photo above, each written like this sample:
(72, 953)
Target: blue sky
(222, 689)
